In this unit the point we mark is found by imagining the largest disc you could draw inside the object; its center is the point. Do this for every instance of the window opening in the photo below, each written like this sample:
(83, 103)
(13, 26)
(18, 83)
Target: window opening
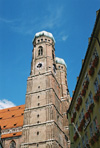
(99, 75)
(86, 104)
(52, 54)
(13, 144)
(40, 51)
(38, 115)
(38, 104)
(91, 130)
(96, 85)
(90, 98)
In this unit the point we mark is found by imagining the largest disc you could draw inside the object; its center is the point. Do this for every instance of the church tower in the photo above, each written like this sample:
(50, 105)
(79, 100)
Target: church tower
(47, 97)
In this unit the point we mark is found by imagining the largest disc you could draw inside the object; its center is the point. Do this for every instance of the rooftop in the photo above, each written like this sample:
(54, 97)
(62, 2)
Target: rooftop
(60, 61)
(12, 118)
(44, 33)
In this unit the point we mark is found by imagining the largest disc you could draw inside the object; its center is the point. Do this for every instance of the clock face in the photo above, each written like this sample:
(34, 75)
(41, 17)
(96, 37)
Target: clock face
(39, 65)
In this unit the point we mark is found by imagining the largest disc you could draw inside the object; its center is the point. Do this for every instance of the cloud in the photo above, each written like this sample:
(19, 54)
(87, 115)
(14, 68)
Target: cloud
(5, 20)
(51, 20)
(65, 37)
(6, 104)
(8, 21)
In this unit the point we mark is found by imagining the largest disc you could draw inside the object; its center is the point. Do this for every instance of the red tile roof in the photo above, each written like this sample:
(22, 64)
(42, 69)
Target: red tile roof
(12, 118)
(11, 135)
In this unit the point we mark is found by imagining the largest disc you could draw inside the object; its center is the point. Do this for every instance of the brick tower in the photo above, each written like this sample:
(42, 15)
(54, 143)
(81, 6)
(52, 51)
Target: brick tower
(47, 97)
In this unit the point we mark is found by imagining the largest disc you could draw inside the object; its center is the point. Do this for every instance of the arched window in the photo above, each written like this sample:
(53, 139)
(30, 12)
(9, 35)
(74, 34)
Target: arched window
(12, 144)
(40, 51)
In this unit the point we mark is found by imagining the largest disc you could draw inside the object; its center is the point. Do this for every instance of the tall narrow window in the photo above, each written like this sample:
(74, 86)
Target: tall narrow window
(91, 130)
(95, 53)
(86, 138)
(94, 125)
(80, 118)
(96, 85)
(54, 68)
(82, 113)
(40, 51)
(52, 54)
(90, 98)
(83, 142)
(99, 75)
(12, 144)
(86, 104)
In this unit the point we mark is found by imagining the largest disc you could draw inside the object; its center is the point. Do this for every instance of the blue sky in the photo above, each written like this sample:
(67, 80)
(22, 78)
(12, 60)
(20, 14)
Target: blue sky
(70, 21)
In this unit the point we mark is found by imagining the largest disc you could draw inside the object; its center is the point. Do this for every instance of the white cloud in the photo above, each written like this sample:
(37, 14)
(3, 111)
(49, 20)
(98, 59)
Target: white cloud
(65, 37)
(51, 19)
(6, 104)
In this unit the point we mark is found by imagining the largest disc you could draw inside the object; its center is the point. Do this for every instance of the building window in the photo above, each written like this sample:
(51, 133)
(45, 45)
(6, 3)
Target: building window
(38, 41)
(86, 104)
(96, 85)
(37, 133)
(54, 68)
(74, 130)
(90, 64)
(99, 75)
(91, 130)
(82, 113)
(86, 138)
(38, 104)
(86, 77)
(94, 124)
(12, 144)
(90, 98)
(38, 116)
(79, 118)
(40, 51)
(83, 142)
(41, 40)
(52, 54)
(95, 53)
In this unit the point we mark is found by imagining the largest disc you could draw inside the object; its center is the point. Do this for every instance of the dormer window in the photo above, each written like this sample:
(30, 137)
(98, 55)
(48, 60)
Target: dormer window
(40, 51)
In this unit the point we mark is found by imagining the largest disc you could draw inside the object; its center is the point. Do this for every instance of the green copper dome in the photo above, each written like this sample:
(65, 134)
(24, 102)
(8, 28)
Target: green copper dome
(45, 33)
(60, 61)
